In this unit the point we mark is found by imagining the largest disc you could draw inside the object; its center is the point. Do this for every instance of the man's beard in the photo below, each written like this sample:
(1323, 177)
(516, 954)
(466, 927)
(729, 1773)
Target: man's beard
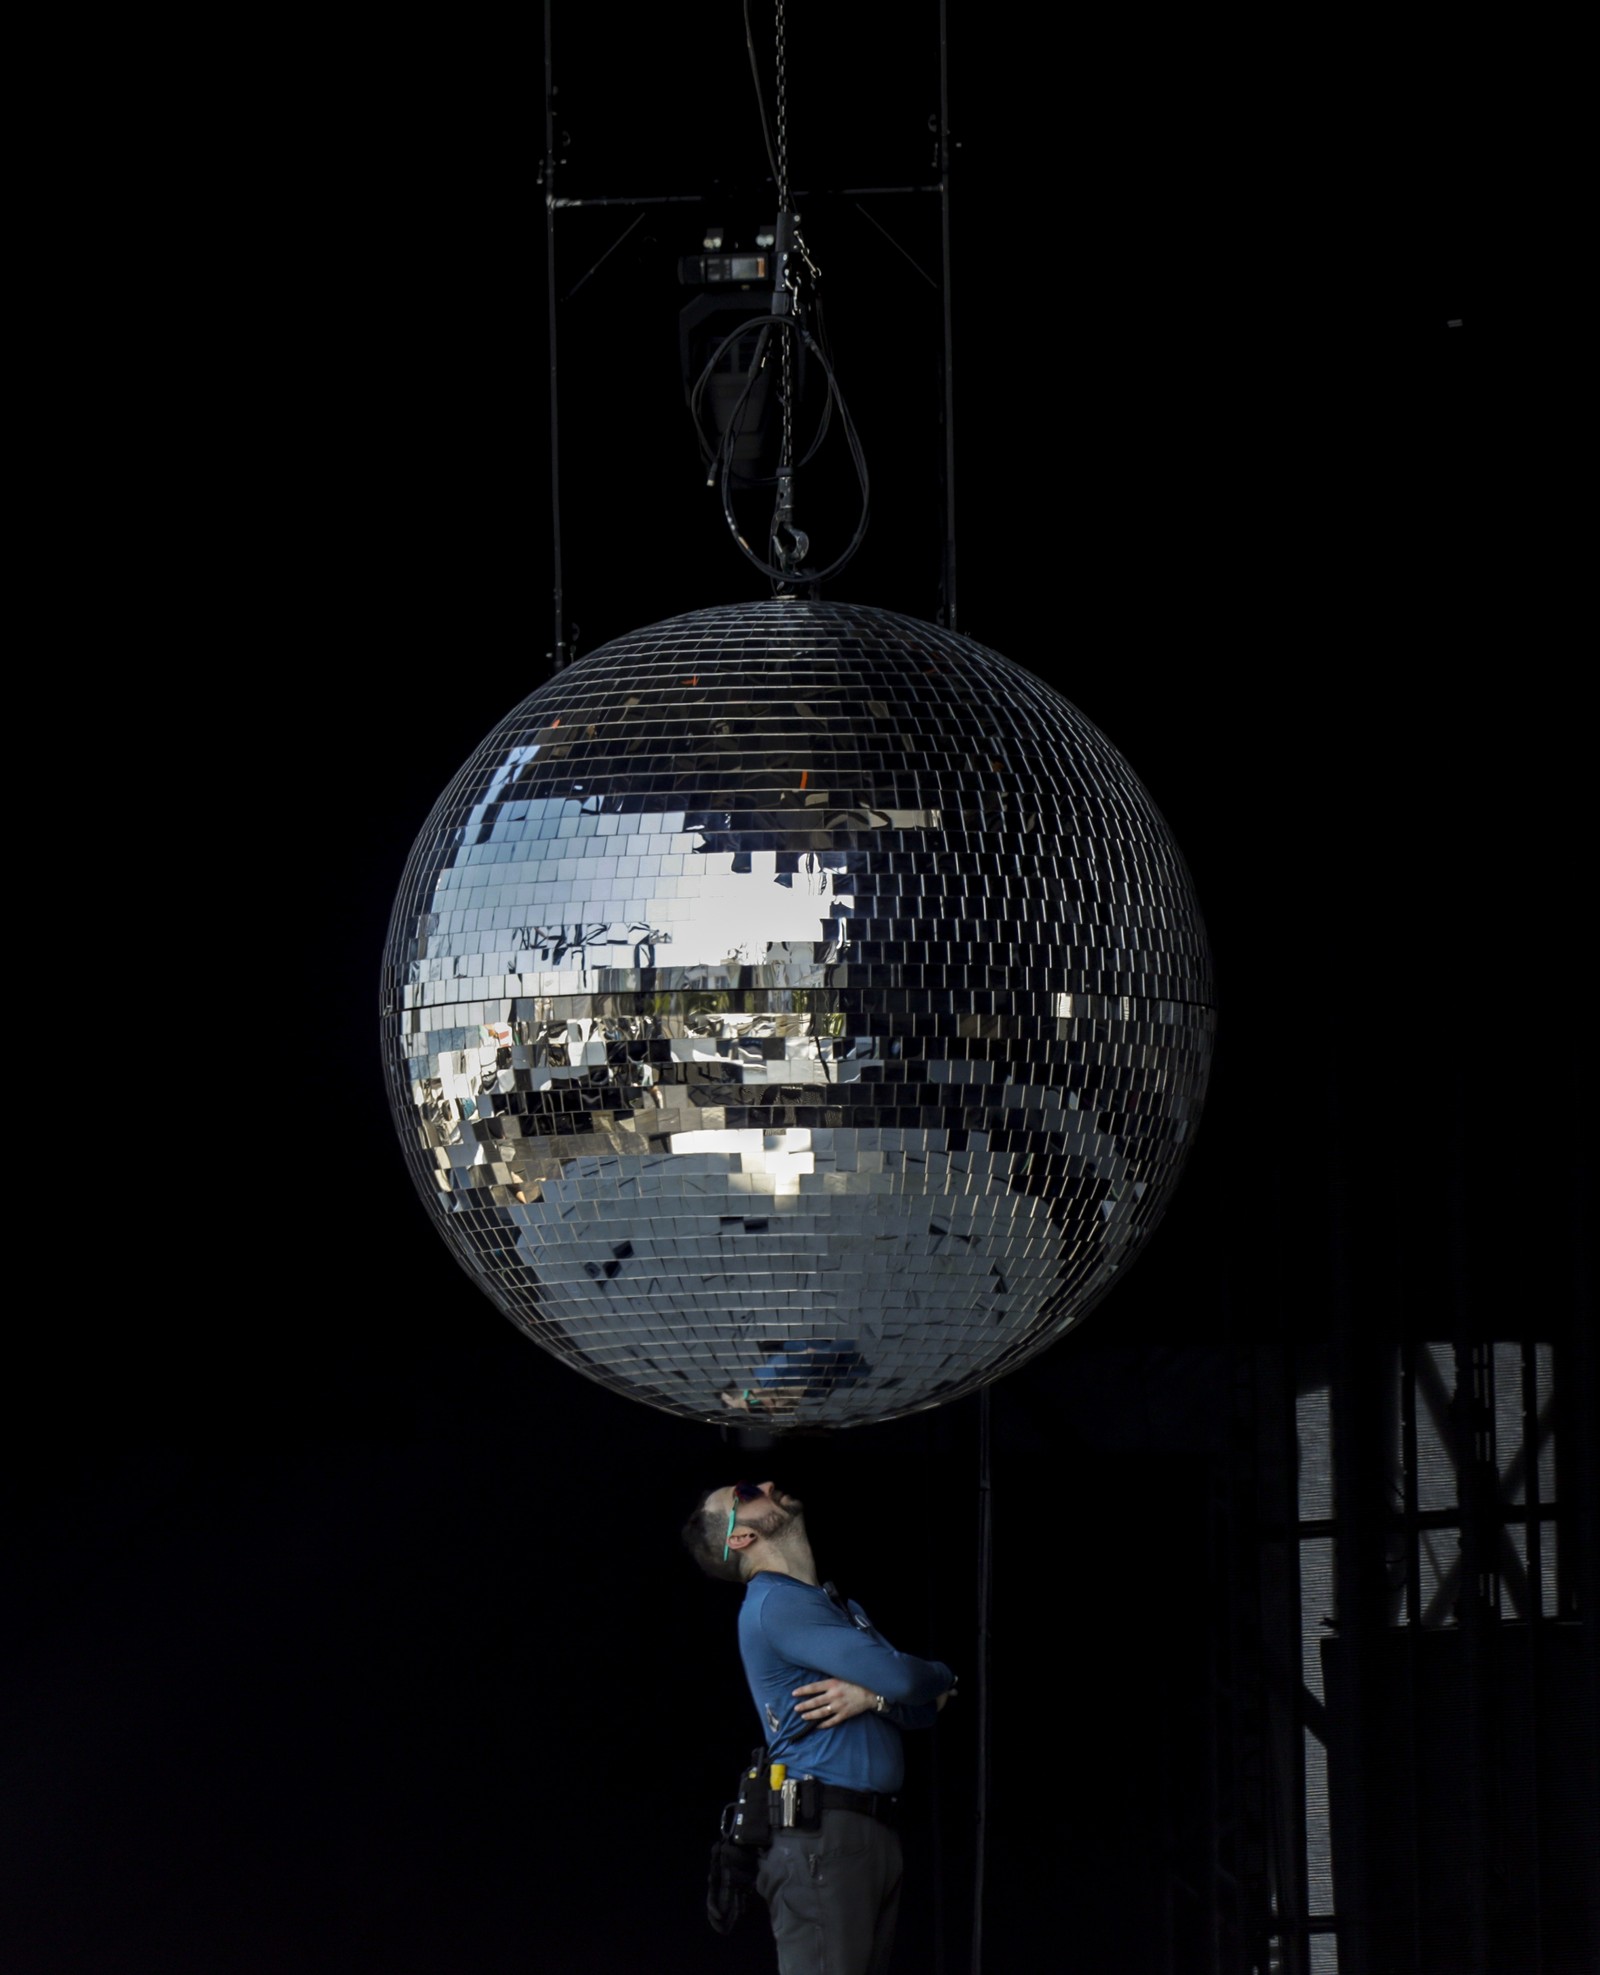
(775, 1521)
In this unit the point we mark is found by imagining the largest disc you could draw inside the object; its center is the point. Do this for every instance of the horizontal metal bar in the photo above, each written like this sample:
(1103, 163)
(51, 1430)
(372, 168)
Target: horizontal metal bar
(705, 198)
(647, 199)
(1514, 1515)
(865, 191)
(1283, 1929)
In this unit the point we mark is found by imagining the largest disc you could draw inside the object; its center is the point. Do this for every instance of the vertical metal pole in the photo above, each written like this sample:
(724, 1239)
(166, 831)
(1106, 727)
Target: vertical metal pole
(1533, 1864)
(1413, 1644)
(1473, 1615)
(984, 1574)
(1278, 1623)
(559, 654)
(1578, 1557)
(1219, 1677)
(949, 339)
(1355, 1455)
(1277, 1465)
(932, 1466)
(1476, 1488)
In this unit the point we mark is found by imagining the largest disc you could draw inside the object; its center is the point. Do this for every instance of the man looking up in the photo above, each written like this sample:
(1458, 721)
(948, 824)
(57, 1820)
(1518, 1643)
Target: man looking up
(832, 1695)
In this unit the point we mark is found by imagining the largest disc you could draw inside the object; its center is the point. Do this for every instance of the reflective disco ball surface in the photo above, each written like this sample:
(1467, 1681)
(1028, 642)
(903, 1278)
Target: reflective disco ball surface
(793, 1010)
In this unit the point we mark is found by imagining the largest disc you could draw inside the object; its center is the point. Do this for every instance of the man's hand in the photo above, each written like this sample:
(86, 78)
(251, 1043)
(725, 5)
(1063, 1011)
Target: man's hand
(826, 1703)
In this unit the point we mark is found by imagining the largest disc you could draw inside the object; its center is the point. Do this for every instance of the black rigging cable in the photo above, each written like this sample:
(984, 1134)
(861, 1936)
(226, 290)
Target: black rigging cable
(761, 104)
(985, 1536)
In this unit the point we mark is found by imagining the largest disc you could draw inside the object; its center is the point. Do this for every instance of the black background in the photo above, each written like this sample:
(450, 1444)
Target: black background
(352, 1634)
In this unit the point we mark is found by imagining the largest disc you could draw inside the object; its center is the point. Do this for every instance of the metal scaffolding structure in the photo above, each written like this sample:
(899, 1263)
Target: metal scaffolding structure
(1423, 1521)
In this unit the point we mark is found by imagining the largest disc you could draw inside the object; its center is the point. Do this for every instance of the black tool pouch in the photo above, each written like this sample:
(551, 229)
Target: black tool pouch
(752, 1809)
(736, 1856)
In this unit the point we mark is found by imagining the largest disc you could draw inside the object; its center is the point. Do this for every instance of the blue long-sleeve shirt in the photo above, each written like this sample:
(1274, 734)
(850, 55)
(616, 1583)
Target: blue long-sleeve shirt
(791, 1634)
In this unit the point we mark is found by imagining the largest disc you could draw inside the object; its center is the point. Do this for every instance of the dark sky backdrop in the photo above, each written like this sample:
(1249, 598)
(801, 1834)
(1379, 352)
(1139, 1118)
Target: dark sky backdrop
(353, 1636)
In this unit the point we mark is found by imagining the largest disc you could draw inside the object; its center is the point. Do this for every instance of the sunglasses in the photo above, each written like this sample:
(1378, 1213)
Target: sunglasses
(743, 1491)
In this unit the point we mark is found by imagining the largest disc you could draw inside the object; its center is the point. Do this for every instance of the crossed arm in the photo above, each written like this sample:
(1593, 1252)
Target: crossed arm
(808, 1636)
(834, 1701)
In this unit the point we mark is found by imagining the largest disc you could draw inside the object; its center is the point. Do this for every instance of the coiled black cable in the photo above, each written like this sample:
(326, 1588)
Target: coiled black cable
(710, 450)
(720, 456)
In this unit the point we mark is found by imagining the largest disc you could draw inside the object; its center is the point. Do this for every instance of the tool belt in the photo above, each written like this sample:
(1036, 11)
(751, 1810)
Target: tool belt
(871, 1803)
(797, 1806)
(749, 1822)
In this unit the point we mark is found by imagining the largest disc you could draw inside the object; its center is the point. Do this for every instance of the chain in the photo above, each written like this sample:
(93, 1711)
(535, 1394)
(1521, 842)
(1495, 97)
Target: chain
(783, 115)
(786, 456)
(785, 391)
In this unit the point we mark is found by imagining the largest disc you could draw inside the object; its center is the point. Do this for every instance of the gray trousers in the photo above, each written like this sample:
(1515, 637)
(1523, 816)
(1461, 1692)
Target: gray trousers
(833, 1895)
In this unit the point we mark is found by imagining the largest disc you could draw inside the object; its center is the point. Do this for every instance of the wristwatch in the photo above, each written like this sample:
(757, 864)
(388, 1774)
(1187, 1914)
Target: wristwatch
(878, 1704)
